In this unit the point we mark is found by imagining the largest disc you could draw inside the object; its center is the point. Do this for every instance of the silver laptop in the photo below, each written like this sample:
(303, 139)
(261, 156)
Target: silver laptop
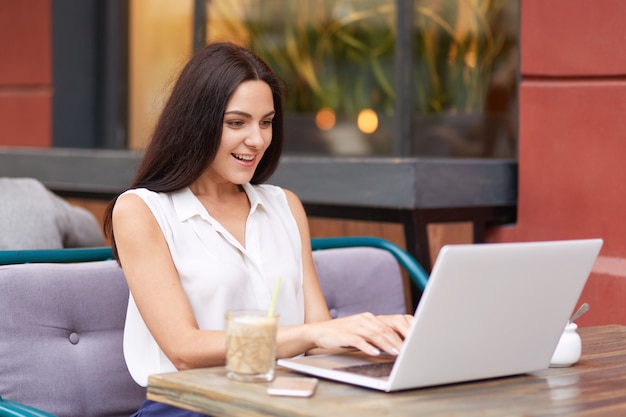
(488, 310)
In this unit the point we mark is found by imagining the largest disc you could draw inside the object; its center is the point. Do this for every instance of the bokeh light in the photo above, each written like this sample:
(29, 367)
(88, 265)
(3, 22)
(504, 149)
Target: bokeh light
(367, 121)
(325, 118)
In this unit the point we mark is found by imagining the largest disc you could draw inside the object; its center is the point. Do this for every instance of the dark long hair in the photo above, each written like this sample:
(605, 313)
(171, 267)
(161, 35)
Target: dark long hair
(189, 130)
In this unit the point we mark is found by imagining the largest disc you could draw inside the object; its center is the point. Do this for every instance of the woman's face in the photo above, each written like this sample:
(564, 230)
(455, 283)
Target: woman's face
(246, 134)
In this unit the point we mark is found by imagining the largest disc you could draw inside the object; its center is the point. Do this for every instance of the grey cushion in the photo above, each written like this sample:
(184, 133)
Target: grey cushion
(61, 339)
(360, 279)
(33, 217)
(61, 327)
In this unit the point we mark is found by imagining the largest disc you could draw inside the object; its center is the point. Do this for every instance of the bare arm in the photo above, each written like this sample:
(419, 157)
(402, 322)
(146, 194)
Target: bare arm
(156, 288)
(365, 331)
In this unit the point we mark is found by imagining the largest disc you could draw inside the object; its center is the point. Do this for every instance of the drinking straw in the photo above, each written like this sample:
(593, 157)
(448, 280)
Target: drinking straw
(270, 312)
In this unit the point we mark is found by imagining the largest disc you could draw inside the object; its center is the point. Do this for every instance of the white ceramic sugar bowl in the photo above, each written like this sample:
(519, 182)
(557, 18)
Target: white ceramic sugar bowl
(569, 348)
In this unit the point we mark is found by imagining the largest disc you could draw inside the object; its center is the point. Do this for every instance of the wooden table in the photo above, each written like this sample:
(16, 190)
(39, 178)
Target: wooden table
(595, 386)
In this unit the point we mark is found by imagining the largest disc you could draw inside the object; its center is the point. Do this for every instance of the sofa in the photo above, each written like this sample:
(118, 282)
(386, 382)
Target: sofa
(61, 327)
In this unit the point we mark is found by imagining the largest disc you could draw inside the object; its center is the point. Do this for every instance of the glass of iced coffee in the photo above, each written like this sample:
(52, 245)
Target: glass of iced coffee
(250, 345)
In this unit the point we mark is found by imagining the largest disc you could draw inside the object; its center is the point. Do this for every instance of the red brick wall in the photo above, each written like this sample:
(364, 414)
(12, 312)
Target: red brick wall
(572, 143)
(25, 73)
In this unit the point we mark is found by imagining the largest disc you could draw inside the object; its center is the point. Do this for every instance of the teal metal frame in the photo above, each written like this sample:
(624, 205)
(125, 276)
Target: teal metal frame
(67, 255)
(13, 409)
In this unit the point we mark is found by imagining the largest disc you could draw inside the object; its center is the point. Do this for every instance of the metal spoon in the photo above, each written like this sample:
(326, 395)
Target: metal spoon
(581, 310)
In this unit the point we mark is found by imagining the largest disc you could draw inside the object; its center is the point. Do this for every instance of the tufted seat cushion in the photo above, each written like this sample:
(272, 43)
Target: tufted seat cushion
(61, 339)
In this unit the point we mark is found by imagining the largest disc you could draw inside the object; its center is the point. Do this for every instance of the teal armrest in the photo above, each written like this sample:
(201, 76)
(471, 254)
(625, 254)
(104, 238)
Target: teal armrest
(68, 255)
(417, 274)
(13, 409)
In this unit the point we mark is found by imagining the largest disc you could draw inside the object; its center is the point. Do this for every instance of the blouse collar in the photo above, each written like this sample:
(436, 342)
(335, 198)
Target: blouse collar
(187, 204)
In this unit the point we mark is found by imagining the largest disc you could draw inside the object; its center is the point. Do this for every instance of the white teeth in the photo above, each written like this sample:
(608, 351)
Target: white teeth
(244, 157)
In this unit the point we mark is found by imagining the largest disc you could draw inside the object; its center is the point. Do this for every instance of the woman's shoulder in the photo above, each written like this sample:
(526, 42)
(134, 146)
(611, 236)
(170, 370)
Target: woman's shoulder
(151, 197)
(139, 197)
(142, 192)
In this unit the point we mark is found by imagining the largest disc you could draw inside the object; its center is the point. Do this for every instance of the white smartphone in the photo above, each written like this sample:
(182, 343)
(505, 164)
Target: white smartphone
(292, 386)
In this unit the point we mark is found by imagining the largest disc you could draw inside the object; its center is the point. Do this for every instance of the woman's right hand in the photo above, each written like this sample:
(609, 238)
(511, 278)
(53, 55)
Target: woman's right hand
(366, 332)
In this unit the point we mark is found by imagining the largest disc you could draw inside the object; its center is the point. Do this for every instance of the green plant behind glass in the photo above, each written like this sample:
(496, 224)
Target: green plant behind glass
(336, 54)
(455, 50)
(340, 53)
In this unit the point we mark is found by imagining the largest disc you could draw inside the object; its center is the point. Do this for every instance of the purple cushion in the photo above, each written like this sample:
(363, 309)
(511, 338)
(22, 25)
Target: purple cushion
(360, 279)
(61, 339)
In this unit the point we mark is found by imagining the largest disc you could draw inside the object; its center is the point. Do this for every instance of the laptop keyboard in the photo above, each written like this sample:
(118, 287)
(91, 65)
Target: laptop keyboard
(378, 369)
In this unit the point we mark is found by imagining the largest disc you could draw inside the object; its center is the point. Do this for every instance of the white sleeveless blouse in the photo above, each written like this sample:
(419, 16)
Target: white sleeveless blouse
(216, 272)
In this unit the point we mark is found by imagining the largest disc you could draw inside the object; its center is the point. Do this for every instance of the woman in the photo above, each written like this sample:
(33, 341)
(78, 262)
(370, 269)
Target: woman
(199, 234)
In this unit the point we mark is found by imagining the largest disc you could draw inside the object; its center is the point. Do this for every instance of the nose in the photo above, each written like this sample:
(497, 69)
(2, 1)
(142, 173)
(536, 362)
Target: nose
(255, 138)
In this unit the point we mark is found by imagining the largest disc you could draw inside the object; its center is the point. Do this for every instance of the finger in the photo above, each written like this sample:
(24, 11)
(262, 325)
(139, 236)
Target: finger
(380, 334)
(367, 348)
(401, 323)
(389, 343)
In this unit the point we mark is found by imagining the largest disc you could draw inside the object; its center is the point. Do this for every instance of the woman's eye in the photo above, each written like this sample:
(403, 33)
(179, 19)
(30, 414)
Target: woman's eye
(234, 123)
(267, 123)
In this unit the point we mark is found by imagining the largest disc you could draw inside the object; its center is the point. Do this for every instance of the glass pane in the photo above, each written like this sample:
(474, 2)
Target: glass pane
(336, 57)
(160, 39)
(465, 78)
(337, 60)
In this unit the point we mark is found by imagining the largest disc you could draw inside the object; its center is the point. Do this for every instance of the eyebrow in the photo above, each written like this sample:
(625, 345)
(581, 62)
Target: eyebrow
(248, 115)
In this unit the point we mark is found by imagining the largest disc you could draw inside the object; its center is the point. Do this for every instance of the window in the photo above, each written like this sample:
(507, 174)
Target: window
(432, 78)
(336, 57)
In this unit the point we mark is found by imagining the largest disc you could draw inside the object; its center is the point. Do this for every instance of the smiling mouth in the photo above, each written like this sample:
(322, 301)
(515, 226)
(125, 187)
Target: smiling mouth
(245, 158)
